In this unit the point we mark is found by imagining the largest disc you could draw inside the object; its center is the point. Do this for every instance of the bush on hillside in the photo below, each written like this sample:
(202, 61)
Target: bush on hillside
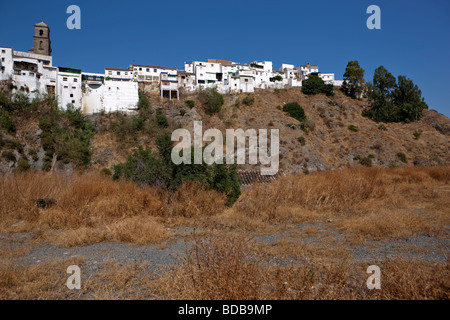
(295, 111)
(211, 100)
(145, 167)
(315, 85)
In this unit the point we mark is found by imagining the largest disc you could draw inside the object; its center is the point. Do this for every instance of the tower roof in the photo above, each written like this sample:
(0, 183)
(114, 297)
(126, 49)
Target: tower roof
(41, 24)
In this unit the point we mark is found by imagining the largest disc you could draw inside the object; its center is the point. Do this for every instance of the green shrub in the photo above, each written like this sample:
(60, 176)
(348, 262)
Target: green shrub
(9, 155)
(145, 167)
(352, 128)
(295, 111)
(248, 101)
(382, 127)
(315, 85)
(279, 108)
(106, 172)
(371, 156)
(367, 161)
(211, 100)
(143, 102)
(23, 165)
(144, 108)
(10, 144)
(47, 165)
(47, 141)
(182, 112)
(161, 120)
(33, 154)
(45, 125)
(417, 134)
(190, 104)
(7, 123)
(402, 157)
(309, 125)
(276, 78)
(302, 140)
(137, 123)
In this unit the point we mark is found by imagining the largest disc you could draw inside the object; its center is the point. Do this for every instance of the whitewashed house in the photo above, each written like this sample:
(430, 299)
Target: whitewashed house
(169, 87)
(103, 94)
(118, 74)
(68, 87)
(186, 81)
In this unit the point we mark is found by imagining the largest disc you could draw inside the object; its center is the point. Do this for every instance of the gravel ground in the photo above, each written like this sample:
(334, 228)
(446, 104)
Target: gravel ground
(160, 256)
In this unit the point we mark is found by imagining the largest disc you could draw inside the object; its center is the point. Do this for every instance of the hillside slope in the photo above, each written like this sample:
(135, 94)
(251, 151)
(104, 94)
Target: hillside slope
(330, 145)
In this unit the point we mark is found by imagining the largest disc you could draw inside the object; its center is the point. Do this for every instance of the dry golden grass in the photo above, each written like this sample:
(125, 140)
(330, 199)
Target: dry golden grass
(44, 281)
(223, 269)
(367, 202)
(227, 268)
(91, 208)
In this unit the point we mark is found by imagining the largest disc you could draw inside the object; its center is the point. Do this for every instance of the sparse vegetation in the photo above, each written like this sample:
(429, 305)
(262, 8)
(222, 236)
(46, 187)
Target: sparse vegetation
(190, 104)
(302, 140)
(211, 100)
(417, 134)
(367, 161)
(161, 119)
(276, 78)
(6, 122)
(353, 128)
(402, 157)
(146, 168)
(295, 111)
(248, 101)
(315, 85)
(23, 165)
(8, 155)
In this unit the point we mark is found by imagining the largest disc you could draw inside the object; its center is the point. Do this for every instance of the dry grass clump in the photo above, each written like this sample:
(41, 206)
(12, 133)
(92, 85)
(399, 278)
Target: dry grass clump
(120, 282)
(228, 269)
(215, 269)
(406, 279)
(224, 269)
(92, 208)
(192, 200)
(342, 191)
(384, 223)
(44, 281)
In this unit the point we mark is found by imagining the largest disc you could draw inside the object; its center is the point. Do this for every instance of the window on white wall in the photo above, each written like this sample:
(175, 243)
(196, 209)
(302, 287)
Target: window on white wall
(64, 79)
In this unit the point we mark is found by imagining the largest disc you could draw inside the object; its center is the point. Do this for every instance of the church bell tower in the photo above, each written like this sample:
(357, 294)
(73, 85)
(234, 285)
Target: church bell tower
(42, 43)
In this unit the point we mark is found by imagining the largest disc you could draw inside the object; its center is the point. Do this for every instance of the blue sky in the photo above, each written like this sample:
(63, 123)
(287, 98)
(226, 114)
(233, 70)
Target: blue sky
(414, 39)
